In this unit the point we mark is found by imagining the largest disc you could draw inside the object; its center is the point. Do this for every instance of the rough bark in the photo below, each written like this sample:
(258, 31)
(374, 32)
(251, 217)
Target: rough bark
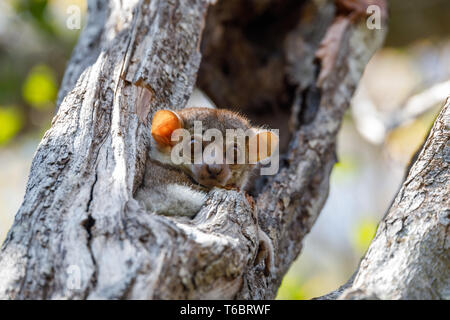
(409, 257)
(80, 234)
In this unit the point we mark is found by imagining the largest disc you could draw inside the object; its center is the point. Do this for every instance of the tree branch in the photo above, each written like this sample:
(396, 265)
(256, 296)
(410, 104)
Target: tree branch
(409, 256)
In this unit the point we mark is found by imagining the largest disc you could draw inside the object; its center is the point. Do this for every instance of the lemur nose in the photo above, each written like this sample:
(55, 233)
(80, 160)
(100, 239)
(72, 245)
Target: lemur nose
(214, 169)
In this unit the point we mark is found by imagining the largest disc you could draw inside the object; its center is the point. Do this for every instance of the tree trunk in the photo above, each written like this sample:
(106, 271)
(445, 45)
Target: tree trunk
(80, 234)
(409, 257)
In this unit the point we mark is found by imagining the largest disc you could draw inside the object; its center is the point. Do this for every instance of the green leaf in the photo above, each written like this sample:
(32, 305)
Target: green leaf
(40, 89)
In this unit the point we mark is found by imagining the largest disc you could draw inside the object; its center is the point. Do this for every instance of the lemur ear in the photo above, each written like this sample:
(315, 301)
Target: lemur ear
(262, 145)
(164, 123)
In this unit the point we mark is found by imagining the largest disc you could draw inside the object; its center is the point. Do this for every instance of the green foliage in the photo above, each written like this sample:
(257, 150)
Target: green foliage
(36, 11)
(40, 88)
(33, 90)
(11, 121)
(10, 80)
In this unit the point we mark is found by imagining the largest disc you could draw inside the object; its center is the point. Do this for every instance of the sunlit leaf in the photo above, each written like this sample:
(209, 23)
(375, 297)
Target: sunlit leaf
(40, 88)
(11, 121)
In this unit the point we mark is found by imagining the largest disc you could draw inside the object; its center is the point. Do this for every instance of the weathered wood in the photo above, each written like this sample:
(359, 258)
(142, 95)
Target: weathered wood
(409, 257)
(80, 234)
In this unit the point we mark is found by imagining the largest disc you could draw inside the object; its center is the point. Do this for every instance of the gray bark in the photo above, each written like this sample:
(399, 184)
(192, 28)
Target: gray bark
(80, 234)
(409, 257)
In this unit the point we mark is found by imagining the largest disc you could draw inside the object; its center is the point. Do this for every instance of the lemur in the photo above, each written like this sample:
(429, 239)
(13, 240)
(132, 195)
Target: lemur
(177, 185)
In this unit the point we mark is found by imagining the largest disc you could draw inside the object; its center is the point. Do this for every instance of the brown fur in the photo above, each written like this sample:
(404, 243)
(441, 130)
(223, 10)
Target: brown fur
(199, 177)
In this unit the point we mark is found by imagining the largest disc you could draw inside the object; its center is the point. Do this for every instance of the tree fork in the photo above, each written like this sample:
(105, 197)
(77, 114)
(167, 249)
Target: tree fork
(80, 234)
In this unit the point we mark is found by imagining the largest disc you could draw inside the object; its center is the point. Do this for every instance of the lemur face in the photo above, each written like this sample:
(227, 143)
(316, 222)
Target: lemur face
(217, 148)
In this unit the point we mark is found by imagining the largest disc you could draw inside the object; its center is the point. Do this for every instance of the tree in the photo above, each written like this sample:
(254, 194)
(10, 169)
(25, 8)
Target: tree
(80, 234)
(409, 256)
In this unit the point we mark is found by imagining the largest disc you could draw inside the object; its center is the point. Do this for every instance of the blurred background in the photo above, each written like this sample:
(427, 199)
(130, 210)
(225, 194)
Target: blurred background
(402, 90)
